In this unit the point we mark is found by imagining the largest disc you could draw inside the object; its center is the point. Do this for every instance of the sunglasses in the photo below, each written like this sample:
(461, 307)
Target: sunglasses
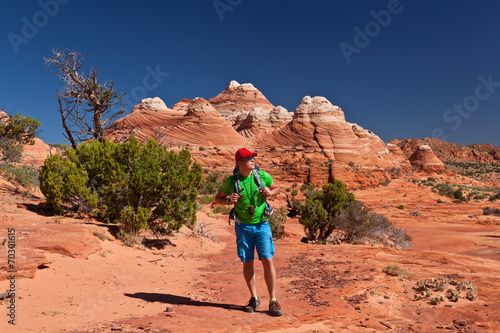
(251, 158)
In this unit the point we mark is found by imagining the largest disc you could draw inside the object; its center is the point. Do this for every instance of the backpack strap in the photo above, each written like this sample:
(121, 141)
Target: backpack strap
(256, 176)
(236, 180)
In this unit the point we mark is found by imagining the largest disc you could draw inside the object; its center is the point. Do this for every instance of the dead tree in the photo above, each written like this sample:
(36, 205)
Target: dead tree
(85, 104)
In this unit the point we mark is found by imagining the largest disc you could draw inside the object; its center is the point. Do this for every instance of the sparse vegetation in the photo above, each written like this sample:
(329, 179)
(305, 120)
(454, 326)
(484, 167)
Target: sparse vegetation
(14, 133)
(475, 170)
(335, 209)
(401, 207)
(203, 229)
(457, 192)
(101, 235)
(221, 209)
(395, 270)
(427, 287)
(24, 175)
(491, 211)
(211, 184)
(141, 186)
(207, 199)
(277, 222)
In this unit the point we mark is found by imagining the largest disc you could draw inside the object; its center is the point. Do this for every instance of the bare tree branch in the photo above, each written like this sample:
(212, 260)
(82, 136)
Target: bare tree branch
(85, 104)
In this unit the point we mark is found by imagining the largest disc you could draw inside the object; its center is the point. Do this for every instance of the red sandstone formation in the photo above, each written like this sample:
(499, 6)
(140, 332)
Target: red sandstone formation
(424, 159)
(3, 117)
(147, 120)
(319, 126)
(239, 99)
(258, 121)
(182, 105)
(316, 146)
(451, 152)
(203, 126)
(37, 153)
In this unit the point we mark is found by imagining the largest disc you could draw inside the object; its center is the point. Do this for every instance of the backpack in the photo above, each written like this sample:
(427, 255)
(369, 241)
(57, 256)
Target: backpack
(269, 210)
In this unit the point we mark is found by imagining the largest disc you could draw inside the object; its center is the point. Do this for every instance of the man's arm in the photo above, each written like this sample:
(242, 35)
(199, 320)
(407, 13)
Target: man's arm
(271, 191)
(221, 198)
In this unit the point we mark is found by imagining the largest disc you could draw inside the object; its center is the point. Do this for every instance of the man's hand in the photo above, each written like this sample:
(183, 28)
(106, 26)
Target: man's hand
(234, 197)
(266, 192)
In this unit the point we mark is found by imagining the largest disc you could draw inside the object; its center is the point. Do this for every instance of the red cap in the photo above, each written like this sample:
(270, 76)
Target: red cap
(243, 152)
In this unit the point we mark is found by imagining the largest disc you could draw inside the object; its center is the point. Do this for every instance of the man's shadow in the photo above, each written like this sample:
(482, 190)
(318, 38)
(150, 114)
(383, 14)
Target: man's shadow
(181, 300)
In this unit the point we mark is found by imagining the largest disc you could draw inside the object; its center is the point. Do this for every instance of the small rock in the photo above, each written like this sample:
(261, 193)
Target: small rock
(169, 309)
(460, 322)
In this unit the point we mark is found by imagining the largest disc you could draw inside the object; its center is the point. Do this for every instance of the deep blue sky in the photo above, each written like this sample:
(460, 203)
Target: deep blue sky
(430, 56)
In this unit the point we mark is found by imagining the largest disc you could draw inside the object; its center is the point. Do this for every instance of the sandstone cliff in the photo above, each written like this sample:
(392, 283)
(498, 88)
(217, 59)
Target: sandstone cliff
(147, 120)
(319, 126)
(239, 99)
(258, 120)
(424, 159)
(314, 144)
(451, 152)
(203, 126)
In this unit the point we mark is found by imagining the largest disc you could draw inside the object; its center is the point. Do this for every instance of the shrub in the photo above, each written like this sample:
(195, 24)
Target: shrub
(14, 133)
(360, 225)
(141, 186)
(207, 199)
(277, 222)
(63, 182)
(306, 187)
(24, 175)
(491, 211)
(492, 198)
(383, 183)
(401, 207)
(444, 189)
(458, 194)
(295, 192)
(221, 209)
(318, 213)
(395, 270)
(212, 183)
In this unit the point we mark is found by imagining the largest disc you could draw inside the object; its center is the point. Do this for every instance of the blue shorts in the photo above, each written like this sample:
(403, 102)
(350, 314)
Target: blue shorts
(254, 236)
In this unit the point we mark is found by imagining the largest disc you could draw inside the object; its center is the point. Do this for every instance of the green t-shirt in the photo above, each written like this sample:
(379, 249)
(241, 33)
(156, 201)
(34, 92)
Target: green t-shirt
(250, 195)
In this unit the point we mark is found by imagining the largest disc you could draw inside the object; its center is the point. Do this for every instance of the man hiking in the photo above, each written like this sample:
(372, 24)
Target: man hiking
(251, 225)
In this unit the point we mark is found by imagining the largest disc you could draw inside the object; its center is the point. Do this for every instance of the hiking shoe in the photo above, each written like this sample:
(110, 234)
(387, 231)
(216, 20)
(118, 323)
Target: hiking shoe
(253, 304)
(275, 308)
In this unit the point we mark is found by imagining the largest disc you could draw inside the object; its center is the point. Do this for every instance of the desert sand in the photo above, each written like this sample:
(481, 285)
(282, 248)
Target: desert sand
(71, 280)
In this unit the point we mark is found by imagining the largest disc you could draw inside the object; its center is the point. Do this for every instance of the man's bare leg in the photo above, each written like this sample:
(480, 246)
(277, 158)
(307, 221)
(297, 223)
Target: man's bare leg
(249, 274)
(270, 277)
